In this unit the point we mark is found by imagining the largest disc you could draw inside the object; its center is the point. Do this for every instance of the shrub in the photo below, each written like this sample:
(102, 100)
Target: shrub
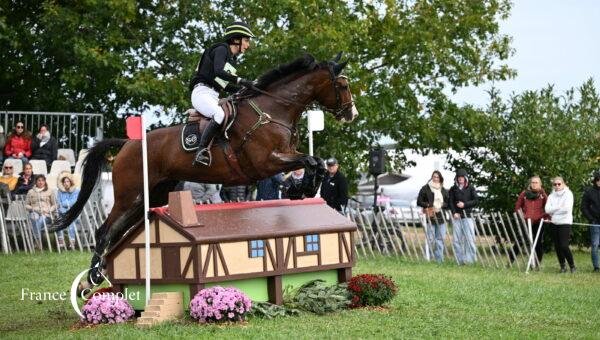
(319, 298)
(371, 290)
(106, 308)
(218, 304)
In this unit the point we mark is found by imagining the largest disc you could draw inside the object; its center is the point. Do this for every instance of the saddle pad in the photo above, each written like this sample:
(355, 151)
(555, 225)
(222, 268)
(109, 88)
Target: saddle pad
(190, 137)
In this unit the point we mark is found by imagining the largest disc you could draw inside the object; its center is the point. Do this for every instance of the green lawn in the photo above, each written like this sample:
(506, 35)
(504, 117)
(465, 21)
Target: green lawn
(434, 301)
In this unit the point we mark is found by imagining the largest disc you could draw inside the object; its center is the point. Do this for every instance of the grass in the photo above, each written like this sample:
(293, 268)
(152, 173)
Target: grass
(434, 301)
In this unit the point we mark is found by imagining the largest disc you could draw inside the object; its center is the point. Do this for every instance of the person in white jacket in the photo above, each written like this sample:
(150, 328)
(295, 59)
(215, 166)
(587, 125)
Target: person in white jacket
(560, 208)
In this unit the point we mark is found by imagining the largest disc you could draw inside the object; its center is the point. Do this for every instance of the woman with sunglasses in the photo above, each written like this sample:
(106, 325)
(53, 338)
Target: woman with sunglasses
(18, 145)
(560, 208)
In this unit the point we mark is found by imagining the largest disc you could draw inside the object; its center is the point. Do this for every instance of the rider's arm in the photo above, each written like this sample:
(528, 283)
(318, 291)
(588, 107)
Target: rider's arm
(219, 64)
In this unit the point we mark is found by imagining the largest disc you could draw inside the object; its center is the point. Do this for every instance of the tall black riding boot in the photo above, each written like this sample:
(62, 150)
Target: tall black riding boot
(203, 155)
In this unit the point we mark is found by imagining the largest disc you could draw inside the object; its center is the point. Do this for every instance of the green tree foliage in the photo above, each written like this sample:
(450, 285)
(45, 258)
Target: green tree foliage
(534, 133)
(138, 56)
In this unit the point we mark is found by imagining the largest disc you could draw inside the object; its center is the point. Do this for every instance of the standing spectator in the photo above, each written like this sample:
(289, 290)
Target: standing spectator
(201, 192)
(66, 196)
(334, 189)
(463, 198)
(236, 193)
(44, 147)
(560, 208)
(18, 145)
(41, 203)
(8, 178)
(433, 198)
(531, 202)
(25, 181)
(292, 185)
(268, 188)
(590, 206)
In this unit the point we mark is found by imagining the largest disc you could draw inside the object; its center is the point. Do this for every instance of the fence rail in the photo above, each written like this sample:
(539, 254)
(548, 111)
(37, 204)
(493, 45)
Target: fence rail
(492, 239)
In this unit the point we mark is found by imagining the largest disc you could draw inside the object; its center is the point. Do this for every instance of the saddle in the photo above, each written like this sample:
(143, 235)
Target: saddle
(196, 123)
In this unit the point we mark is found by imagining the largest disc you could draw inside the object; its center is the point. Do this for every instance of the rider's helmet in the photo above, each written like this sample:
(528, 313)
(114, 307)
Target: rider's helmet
(237, 30)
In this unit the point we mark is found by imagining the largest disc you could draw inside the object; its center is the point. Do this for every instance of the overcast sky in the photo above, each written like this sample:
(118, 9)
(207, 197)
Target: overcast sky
(556, 42)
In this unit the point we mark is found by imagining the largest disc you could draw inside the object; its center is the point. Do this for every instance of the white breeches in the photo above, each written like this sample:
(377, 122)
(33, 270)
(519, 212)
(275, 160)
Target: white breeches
(206, 101)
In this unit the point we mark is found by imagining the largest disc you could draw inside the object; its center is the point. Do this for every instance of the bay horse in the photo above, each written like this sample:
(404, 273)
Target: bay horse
(262, 140)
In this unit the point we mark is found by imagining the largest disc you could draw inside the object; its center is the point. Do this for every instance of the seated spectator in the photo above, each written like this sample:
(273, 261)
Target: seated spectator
(236, 193)
(18, 145)
(8, 178)
(2, 142)
(25, 180)
(66, 196)
(202, 192)
(292, 185)
(268, 188)
(44, 147)
(40, 203)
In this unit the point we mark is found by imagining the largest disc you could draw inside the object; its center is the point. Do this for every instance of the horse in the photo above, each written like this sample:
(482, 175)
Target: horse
(261, 142)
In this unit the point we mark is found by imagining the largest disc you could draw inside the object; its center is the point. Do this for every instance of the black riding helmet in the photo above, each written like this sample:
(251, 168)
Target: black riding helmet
(237, 30)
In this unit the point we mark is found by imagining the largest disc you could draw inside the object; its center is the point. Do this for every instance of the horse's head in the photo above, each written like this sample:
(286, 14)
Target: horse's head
(335, 93)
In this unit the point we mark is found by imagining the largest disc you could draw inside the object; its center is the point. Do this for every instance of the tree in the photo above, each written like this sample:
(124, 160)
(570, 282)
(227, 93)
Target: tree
(133, 56)
(535, 133)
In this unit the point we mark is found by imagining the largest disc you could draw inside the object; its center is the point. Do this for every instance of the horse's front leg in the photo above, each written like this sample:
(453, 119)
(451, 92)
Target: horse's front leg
(313, 174)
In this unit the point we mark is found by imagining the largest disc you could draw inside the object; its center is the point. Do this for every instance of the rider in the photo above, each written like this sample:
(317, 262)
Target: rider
(216, 72)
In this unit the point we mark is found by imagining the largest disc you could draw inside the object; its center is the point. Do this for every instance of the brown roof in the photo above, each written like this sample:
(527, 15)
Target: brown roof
(265, 219)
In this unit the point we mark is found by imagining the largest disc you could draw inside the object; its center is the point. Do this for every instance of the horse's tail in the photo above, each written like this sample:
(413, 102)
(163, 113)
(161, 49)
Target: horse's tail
(92, 165)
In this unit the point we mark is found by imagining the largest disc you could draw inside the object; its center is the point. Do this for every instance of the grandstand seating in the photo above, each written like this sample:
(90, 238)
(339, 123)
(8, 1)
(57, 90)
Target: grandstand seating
(68, 155)
(38, 166)
(60, 166)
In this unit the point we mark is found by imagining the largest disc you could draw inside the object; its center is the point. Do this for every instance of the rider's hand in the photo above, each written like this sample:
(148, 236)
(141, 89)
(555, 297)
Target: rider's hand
(246, 83)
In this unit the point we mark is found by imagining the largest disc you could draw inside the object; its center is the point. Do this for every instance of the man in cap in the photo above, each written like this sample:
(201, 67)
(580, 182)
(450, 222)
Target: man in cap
(590, 207)
(334, 189)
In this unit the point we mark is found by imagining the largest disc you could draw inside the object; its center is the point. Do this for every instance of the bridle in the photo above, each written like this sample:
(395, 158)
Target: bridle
(338, 111)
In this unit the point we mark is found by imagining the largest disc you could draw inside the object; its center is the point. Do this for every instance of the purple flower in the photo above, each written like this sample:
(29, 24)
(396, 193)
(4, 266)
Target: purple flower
(212, 304)
(106, 308)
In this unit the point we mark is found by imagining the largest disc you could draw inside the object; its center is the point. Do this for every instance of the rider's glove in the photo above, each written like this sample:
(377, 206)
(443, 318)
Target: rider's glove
(246, 83)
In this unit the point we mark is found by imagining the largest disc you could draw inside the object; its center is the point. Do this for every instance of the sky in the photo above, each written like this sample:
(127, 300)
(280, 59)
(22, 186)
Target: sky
(556, 42)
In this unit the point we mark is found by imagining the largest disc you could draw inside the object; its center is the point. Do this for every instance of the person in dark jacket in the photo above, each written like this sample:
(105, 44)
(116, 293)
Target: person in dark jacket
(215, 73)
(292, 185)
(434, 198)
(463, 198)
(26, 180)
(236, 193)
(268, 188)
(334, 189)
(590, 207)
(44, 147)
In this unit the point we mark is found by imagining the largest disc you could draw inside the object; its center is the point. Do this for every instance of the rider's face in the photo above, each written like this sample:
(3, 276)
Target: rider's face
(245, 44)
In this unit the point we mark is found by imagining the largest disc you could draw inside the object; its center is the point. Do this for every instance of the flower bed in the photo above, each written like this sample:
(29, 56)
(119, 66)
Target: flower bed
(371, 290)
(106, 308)
(218, 304)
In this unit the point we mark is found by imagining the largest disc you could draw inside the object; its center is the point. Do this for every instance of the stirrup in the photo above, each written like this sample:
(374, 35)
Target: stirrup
(203, 157)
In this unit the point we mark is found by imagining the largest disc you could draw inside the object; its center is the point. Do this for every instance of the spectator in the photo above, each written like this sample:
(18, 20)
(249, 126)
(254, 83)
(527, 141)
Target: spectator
(292, 185)
(18, 145)
(202, 192)
(236, 193)
(463, 198)
(44, 147)
(268, 188)
(560, 208)
(41, 203)
(531, 202)
(334, 189)
(66, 196)
(433, 198)
(590, 207)
(25, 181)
(8, 178)
(2, 142)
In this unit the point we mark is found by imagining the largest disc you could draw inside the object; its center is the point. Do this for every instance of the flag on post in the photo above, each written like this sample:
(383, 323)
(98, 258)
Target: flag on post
(134, 127)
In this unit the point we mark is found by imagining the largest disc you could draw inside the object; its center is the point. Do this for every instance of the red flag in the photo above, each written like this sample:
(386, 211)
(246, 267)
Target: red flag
(134, 127)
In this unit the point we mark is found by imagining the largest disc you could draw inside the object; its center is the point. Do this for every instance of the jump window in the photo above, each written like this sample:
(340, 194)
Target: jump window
(311, 243)
(256, 248)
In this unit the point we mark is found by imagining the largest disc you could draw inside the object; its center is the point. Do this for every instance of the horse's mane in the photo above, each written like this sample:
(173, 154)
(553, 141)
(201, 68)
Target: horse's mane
(304, 63)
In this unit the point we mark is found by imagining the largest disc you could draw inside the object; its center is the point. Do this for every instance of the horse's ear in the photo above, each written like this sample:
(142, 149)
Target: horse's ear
(338, 57)
(337, 69)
